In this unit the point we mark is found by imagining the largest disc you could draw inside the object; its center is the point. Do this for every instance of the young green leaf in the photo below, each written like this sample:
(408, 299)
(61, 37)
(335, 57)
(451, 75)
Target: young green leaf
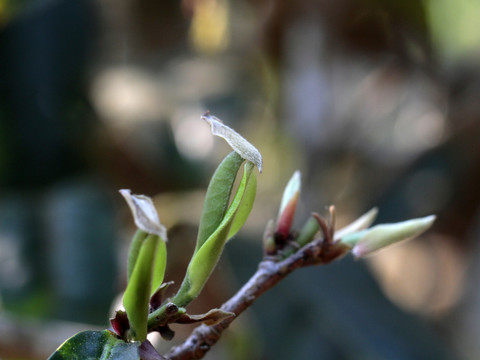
(218, 197)
(159, 266)
(139, 287)
(204, 260)
(245, 207)
(135, 246)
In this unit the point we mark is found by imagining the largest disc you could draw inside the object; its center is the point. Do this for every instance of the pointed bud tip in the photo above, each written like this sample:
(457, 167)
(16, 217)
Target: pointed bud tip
(292, 191)
(430, 219)
(297, 176)
(288, 206)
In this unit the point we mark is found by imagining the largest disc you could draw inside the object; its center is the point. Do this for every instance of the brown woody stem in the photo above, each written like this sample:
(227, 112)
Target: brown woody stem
(268, 274)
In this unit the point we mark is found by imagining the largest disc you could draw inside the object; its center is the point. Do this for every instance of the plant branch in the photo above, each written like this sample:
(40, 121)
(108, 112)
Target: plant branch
(269, 273)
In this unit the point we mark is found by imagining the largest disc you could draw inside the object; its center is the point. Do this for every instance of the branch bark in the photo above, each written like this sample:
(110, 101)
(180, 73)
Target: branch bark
(269, 273)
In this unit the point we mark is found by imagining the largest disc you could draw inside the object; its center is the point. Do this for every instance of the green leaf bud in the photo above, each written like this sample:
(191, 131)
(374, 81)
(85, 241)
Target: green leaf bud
(367, 242)
(361, 223)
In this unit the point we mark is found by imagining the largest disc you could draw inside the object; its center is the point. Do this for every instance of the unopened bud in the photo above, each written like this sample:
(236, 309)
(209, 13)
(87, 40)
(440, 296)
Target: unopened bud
(361, 223)
(308, 232)
(367, 242)
(288, 205)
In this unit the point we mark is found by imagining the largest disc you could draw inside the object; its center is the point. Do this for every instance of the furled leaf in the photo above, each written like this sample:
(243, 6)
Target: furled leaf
(218, 197)
(138, 290)
(147, 221)
(135, 246)
(204, 260)
(207, 256)
(245, 207)
(159, 266)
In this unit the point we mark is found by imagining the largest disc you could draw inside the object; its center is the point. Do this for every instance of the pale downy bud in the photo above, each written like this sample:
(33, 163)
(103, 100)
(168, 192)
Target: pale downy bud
(368, 241)
(288, 205)
(361, 223)
(144, 213)
(241, 146)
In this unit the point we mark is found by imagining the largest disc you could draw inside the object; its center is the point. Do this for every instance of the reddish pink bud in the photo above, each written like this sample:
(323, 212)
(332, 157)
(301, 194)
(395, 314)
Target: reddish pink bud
(285, 220)
(288, 206)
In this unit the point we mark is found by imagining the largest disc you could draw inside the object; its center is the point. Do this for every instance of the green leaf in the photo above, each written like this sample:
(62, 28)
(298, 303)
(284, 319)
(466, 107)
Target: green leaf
(137, 294)
(204, 260)
(245, 207)
(160, 265)
(218, 197)
(137, 242)
(101, 345)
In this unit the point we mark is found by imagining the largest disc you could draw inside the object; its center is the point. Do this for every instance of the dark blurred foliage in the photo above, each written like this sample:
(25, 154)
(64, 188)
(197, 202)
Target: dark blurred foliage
(57, 220)
(376, 102)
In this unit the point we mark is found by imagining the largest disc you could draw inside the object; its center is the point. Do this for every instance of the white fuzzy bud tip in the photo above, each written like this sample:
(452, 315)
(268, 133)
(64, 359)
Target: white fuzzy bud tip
(144, 213)
(246, 150)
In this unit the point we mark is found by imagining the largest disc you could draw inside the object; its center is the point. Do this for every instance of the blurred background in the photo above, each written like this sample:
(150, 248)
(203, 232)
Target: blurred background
(376, 102)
